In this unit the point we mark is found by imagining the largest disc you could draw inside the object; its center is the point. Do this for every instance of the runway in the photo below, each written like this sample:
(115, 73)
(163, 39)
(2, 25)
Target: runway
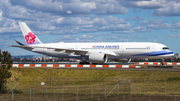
(121, 69)
(131, 67)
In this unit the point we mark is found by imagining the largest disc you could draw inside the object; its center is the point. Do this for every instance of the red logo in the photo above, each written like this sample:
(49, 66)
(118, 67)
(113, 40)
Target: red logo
(30, 38)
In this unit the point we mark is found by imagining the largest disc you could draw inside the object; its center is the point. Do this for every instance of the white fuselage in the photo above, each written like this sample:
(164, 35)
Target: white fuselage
(118, 49)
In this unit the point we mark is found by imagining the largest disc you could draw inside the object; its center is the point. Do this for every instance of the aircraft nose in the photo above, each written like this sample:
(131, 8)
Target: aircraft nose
(171, 53)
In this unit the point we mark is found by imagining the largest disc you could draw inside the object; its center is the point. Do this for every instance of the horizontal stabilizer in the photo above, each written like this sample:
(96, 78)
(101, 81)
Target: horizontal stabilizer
(14, 46)
(24, 47)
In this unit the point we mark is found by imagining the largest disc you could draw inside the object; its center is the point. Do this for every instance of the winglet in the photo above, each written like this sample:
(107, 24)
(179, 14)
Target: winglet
(19, 43)
(30, 38)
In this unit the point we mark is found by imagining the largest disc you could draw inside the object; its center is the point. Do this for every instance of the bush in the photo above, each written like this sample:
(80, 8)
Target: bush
(16, 91)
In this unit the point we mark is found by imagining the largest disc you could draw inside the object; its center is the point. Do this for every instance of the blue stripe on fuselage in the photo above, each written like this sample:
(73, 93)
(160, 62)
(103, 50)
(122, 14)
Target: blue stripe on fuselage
(157, 53)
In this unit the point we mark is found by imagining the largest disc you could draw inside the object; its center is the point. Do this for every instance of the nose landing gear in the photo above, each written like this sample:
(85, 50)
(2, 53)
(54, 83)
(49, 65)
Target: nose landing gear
(162, 62)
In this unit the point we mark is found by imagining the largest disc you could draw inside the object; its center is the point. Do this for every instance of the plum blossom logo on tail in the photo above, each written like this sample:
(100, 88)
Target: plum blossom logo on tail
(30, 38)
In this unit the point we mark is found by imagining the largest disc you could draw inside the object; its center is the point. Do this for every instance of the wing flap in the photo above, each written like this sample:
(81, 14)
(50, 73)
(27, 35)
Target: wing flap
(59, 50)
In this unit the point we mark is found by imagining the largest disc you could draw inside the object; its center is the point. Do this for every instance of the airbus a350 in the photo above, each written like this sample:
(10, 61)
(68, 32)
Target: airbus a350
(96, 53)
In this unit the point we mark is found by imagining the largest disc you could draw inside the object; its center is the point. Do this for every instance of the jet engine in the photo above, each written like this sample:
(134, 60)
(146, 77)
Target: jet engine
(98, 58)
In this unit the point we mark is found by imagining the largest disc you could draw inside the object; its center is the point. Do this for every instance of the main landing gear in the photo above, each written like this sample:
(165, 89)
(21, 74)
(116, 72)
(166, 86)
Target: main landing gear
(84, 60)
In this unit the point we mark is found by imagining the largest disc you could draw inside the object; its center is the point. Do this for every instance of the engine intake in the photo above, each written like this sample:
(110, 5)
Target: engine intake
(98, 58)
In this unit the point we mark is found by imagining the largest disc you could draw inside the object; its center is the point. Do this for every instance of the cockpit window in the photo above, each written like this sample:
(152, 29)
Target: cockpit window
(165, 48)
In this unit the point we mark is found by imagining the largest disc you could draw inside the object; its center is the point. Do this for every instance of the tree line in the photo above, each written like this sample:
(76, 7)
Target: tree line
(5, 66)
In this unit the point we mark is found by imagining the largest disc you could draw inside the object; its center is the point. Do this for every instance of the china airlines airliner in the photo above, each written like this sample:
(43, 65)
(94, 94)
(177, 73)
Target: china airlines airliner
(96, 53)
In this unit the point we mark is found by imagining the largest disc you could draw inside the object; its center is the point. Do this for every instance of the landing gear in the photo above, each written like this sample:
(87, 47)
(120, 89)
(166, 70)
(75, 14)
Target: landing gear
(97, 63)
(84, 60)
(162, 61)
(129, 60)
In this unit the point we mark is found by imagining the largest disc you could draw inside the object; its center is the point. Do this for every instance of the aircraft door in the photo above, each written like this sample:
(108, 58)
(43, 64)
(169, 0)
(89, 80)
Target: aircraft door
(153, 48)
(77, 47)
(122, 48)
(45, 49)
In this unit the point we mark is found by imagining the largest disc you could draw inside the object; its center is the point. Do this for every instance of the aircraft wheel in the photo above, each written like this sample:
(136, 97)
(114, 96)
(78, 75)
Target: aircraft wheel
(162, 62)
(84, 63)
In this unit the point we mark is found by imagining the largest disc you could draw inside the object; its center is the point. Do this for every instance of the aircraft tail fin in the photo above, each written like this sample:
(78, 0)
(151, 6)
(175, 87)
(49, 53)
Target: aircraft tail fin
(30, 38)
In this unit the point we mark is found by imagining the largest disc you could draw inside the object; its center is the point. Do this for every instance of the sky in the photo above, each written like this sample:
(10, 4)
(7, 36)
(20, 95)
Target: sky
(55, 21)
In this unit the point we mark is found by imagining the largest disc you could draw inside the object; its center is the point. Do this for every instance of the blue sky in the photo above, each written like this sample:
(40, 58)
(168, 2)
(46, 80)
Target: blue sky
(91, 21)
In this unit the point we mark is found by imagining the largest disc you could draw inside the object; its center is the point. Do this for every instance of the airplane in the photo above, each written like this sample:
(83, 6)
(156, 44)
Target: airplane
(95, 53)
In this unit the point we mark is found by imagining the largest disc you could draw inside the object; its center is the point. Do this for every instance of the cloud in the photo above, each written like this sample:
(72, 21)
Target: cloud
(8, 25)
(174, 36)
(162, 8)
(74, 7)
(20, 12)
(124, 32)
(134, 37)
(95, 37)
(85, 24)
(1, 17)
(53, 15)
(8, 39)
(137, 18)
(65, 38)
(87, 36)
(152, 24)
(140, 29)
(145, 4)
(176, 25)
(113, 37)
(123, 40)
(60, 17)
(82, 38)
(155, 41)
(69, 12)
(157, 24)
(171, 9)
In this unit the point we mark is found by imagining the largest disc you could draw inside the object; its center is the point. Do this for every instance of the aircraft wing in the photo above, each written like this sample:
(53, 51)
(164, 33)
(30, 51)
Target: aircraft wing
(56, 49)
(71, 50)
(68, 50)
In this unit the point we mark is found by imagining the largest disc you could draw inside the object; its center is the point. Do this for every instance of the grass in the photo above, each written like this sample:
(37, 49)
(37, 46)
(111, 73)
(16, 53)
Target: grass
(92, 74)
(19, 74)
(143, 82)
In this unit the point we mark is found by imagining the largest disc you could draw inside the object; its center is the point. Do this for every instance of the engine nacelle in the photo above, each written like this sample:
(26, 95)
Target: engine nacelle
(98, 58)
